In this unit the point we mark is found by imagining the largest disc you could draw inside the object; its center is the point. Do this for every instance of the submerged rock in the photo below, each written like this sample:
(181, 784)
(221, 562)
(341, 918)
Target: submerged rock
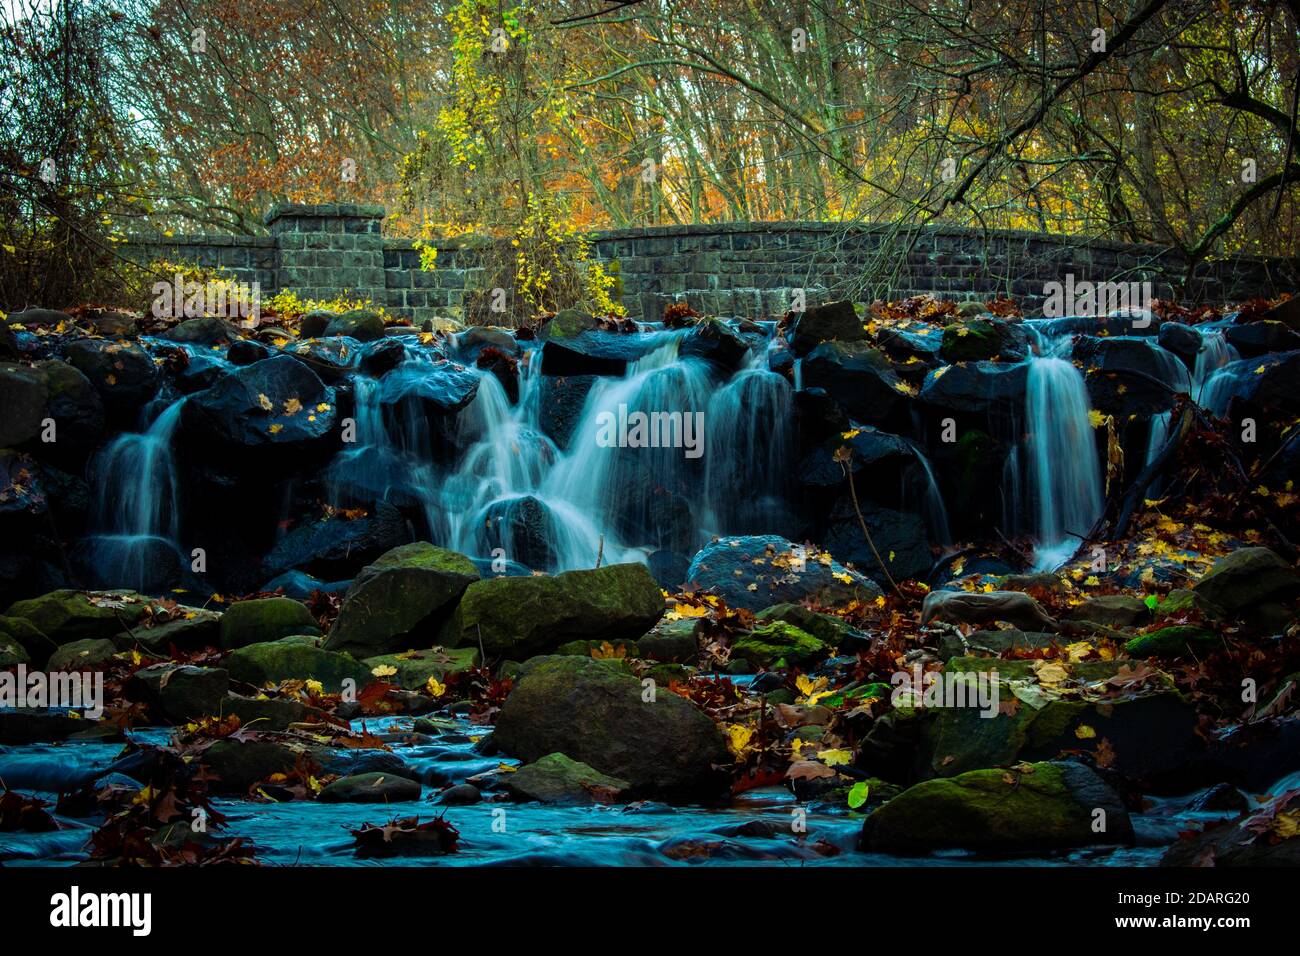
(557, 779)
(598, 715)
(401, 600)
(518, 617)
(1040, 807)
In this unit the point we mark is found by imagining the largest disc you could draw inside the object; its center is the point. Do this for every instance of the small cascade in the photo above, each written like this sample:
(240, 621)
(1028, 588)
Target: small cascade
(137, 499)
(933, 509)
(1220, 374)
(1064, 471)
(750, 424)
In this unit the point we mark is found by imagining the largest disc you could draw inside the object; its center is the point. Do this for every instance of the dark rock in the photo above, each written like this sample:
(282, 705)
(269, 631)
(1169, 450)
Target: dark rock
(859, 378)
(246, 352)
(836, 321)
(123, 373)
(66, 616)
(1181, 340)
(1222, 798)
(899, 537)
(1252, 840)
(557, 779)
(714, 340)
(383, 357)
(783, 572)
(179, 692)
(1129, 377)
(204, 330)
(594, 712)
(1261, 337)
(401, 600)
(562, 399)
(1113, 610)
(77, 410)
(364, 325)
(992, 643)
(1246, 578)
(23, 394)
(977, 388)
(984, 339)
(276, 661)
(84, 655)
(370, 788)
(335, 547)
(236, 765)
(460, 795)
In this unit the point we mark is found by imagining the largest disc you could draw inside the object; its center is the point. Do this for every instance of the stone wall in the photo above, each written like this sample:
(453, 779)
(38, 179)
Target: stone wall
(744, 269)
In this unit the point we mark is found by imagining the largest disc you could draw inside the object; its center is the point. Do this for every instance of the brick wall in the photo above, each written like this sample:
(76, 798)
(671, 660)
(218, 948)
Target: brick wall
(746, 269)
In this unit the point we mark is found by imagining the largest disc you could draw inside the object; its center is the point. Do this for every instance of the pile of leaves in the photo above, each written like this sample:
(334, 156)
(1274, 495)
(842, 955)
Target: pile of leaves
(406, 837)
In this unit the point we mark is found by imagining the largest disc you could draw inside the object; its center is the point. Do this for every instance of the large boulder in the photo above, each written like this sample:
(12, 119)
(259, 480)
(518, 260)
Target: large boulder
(34, 647)
(208, 330)
(557, 779)
(859, 378)
(1037, 807)
(412, 670)
(235, 765)
(779, 644)
(85, 655)
(899, 536)
(179, 692)
(599, 715)
(401, 600)
(291, 659)
(1129, 376)
(984, 339)
(265, 619)
(1259, 338)
(123, 373)
(77, 410)
(267, 419)
(23, 393)
(977, 388)
(66, 616)
(364, 325)
(714, 340)
(836, 321)
(517, 617)
(761, 570)
(1246, 579)
(562, 400)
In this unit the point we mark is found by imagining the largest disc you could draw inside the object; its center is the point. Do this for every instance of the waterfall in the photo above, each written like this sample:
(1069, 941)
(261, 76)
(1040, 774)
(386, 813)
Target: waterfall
(137, 501)
(1064, 472)
(1219, 373)
(933, 510)
(750, 423)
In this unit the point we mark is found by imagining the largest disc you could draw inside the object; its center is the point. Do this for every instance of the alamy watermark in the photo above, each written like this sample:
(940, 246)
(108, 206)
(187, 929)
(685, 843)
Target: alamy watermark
(78, 690)
(921, 688)
(1098, 298)
(639, 429)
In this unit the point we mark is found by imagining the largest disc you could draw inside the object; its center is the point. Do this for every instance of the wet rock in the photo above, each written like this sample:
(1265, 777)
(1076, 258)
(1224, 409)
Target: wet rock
(349, 763)
(1222, 798)
(557, 779)
(271, 417)
(370, 788)
(779, 571)
(23, 393)
(123, 373)
(714, 340)
(265, 619)
(401, 600)
(859, 378)
(1180, 340)
(364, 325)
(276, 661)
(34, 725)
(206, 330)
(826, 628)
(778, 644)
(77, 410)
(415, 668)
(12, 653)
(671, 641)
(463, 794)
(383, 358)
(977, 388)
(519, 617)
(65, 616)
(246, 352)
(313, 324)
(899, 536)
(1125, 376)
(42, 317)
(595, 714)
(668, 567)
(237, 765)
(992, 643)
(568, 324)
(437, 391)
(179, 692)
(523, 528)
(89, 654)
(271, 714)
(195, 629)
(997, 811)
(836, 321)
(1261, 337)
(981, 339)
(335, 547)
(562, 399)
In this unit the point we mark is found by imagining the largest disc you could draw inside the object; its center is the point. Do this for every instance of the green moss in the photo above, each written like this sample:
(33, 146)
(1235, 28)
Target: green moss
(778, 641)
(425, 556)
(824, 627)
(414, 668)
(1172, 642)
(265, 619)
(271, 663)
(972, 340)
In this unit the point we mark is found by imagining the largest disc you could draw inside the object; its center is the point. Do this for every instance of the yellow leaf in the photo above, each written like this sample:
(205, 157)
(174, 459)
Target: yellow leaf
(738, 737)
(384, 670)
(435, 687)
(265, 403)
(315, 687)
(834, 758)
(1084, 732)
(292, 406)
(276, 429)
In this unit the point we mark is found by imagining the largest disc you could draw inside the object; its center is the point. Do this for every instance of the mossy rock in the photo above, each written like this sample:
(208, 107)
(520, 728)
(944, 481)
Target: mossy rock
(992, 643)
(1247, 577)
(1183, 601)
(195, 629)
(414, 668)
(597, 714)
(179, 692)
(28, 636)
(672, 642)
(82, 655)
(12, 653)
(364, 325)
(778, 643)
(1113, 610)
(262, 620)
(517, 617)
(238, 764)
(585, 648)
(972, 340)
(276, 661)
(999, 811)
(557, 779)
(261, 713)
(826, 628)
(65, 616)
(401, 600)
(1173, 641)
(1152, 734)
(569, 323)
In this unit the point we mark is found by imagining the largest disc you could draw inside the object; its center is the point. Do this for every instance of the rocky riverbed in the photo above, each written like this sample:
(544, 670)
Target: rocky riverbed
(475, 635)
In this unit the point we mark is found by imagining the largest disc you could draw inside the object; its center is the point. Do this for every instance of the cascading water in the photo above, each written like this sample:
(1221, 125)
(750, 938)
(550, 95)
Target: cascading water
(1064, 472)
(933, 509)
(1219, 373)
(138, 503)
